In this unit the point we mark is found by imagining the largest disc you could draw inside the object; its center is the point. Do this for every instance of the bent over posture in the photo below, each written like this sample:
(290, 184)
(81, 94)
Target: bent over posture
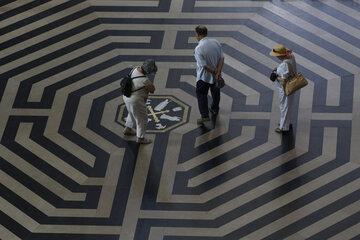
(136, 104)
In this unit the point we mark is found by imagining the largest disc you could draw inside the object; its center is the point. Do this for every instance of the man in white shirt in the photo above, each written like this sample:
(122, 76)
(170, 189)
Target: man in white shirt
(210, 60)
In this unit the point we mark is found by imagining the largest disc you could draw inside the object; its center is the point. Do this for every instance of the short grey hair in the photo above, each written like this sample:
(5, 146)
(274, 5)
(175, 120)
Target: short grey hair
(149, 66)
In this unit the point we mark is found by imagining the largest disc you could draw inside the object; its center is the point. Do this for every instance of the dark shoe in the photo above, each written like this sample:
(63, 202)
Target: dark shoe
(279, 130)
(201, 121)
(143, 141)
(290, 125)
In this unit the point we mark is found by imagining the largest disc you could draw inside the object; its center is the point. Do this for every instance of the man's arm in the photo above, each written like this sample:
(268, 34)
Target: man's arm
(219, 68)
(209, 69)
(202, 62)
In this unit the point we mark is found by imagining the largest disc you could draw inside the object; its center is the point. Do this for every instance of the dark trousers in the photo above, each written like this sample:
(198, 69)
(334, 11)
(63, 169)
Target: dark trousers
(202, 89)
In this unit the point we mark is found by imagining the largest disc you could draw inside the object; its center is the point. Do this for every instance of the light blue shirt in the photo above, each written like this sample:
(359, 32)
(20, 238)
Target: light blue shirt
(207, 52)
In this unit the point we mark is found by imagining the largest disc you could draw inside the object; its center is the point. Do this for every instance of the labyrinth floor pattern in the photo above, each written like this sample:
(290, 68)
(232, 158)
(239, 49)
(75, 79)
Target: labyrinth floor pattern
(67, 172)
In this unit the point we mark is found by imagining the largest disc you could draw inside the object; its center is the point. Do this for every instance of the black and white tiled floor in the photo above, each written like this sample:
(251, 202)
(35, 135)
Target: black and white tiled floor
(67, 172)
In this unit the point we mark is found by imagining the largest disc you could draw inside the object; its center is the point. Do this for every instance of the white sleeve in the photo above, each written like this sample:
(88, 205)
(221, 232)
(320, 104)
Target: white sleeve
(283, 70)
(199, 58)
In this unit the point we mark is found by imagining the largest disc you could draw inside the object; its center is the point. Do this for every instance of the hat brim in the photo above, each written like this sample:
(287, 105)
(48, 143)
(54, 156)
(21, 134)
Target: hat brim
(274, 54)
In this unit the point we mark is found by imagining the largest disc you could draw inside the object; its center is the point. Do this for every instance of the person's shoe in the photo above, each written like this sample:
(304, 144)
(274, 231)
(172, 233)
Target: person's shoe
(143, 141)
(279, 130)
(290, 125)
(201, 121)
(129, 132)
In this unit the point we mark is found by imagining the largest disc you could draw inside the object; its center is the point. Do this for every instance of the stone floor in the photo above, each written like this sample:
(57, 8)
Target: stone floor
(67, 172)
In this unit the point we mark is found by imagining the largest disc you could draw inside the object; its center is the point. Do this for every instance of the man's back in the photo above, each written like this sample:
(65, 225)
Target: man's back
(208, 52)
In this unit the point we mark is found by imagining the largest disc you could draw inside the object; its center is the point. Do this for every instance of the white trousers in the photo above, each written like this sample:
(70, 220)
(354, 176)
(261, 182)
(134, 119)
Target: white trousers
(286, 108)
(137, 115)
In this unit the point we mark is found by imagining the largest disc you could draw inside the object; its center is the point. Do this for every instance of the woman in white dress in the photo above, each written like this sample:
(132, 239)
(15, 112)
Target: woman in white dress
(285, 70)
(136, 104)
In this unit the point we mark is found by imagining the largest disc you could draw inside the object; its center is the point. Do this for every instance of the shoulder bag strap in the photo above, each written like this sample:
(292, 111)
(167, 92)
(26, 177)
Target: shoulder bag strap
(134, 78)
(291, 68)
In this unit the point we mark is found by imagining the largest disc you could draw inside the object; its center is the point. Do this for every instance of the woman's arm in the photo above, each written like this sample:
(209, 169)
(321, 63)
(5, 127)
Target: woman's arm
(150, 88)
(283, 71)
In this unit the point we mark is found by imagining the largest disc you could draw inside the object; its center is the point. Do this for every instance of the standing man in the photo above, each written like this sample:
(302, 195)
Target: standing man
(210, 60)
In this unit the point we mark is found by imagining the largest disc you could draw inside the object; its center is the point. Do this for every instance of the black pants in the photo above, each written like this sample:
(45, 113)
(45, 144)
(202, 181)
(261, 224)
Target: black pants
(202, 89)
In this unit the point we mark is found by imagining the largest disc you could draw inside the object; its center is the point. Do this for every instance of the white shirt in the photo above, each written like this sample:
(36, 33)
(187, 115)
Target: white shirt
(207, 52)
(287, 68)
(139, 83)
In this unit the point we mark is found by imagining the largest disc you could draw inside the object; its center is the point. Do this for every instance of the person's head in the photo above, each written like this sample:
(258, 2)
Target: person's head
(201, 32)
(149, 67)
(280, 51)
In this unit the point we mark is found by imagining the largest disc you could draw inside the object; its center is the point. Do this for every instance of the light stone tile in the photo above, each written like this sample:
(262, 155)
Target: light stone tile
(25, 193)
(233, 4)
(6, 233)
(169, 39)
(167, 179)
(252, 96)
(326, 17)
(156, 233)
(181, 15)
(79, 229)
(316, 30)
(328, 221)
(294, 215)
(44, 21)
(349, 233)
(343, 8)
(304, 116)
(40, 177)
(333, 96)
(136, 192)
(355, 128)
(176, 6)
(168, 27)
(11, 6)
(17, 215)
(250, 115)
(246, 135)
(46, 156)
(296, 38)
(332, 116)
(122, 3)
(295, 237)
(38, 87)
(58, 107)
(247, 218)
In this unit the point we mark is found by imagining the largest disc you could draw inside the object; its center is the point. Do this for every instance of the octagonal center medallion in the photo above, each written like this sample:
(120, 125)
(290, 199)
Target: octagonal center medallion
(164, 113)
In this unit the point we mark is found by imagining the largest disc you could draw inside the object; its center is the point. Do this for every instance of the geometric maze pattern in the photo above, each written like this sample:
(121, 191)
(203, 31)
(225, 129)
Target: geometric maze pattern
(67, 172)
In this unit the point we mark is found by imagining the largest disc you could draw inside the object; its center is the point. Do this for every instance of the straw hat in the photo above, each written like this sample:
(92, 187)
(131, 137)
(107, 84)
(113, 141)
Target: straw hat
(279, 50)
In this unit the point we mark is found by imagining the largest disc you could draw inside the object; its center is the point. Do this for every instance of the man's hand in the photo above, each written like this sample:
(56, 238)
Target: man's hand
(208, 69)
(217, 75)
(218, 69)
